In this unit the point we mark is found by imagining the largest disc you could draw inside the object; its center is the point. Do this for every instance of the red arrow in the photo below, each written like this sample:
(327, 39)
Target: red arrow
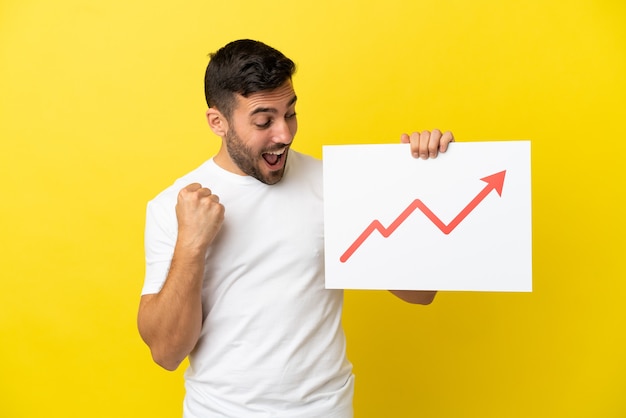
(494, 182)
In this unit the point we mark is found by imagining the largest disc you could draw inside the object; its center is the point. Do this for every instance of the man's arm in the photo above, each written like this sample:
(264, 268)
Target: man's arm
(424, 145)
(171, 320)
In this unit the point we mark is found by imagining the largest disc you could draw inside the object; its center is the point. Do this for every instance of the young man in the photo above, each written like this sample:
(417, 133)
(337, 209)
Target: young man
(236, 282)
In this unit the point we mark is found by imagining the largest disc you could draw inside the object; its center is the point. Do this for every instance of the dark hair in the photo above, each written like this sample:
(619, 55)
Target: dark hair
(244, 67)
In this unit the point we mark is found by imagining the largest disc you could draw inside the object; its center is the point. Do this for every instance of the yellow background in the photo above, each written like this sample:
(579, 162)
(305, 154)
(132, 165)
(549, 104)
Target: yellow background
(101, 107)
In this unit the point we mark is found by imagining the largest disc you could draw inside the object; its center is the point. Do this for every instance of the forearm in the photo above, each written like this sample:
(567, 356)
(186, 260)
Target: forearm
(171, 320)
(420, 297)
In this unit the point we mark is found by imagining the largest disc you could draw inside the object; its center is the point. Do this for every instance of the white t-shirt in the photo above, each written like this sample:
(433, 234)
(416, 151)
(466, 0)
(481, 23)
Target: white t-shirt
(272, 344)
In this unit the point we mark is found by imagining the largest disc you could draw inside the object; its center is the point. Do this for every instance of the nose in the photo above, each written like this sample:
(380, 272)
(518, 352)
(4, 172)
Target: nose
(283, 132)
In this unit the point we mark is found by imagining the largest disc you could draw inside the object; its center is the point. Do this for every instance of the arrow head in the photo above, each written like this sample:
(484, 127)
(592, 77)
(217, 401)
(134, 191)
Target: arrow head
(495, 181)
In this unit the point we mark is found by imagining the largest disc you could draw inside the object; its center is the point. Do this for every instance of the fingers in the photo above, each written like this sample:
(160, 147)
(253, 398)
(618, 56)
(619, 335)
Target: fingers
(193, 187)
(445, 140)
(428, 144)
(197, 189)
(194, 199)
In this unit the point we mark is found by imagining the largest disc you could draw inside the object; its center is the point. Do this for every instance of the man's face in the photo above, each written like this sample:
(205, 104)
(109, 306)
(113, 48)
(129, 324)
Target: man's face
(261, 129)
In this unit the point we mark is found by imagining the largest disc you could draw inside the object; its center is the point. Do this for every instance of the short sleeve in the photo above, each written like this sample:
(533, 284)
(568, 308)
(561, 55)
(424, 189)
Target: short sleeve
(159, 241)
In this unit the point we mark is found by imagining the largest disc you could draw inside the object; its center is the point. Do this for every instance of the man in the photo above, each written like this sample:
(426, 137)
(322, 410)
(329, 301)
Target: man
(236, 282)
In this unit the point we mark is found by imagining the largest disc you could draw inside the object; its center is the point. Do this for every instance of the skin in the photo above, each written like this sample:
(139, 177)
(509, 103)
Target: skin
(171, 320)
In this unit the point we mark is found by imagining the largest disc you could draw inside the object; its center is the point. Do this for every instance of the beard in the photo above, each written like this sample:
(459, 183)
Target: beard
(250, 162)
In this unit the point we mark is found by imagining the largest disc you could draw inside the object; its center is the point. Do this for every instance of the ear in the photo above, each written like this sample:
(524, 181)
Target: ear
(217, 122)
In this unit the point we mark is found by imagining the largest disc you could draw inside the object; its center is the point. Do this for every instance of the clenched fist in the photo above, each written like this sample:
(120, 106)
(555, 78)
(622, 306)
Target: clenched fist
(200, 216)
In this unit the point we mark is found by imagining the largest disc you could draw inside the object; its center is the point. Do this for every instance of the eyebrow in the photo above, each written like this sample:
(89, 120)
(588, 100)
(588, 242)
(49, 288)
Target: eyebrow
(272, 109)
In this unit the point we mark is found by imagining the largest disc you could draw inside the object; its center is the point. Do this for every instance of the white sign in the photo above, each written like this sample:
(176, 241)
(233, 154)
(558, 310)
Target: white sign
(461, 221)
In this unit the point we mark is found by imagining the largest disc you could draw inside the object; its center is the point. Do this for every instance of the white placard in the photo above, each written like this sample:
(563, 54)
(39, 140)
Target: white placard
(459, 222)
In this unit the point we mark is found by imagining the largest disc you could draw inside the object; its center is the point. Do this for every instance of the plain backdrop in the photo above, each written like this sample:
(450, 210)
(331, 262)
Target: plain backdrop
(101, 107)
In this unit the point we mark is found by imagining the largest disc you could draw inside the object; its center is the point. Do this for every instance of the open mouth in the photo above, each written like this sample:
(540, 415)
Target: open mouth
(274, 158)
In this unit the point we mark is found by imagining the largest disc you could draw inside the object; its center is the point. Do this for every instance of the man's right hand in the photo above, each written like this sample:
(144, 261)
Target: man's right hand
(200, 216)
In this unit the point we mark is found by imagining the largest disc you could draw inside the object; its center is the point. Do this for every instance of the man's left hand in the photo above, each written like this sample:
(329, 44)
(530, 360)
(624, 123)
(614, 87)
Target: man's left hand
(427, 144)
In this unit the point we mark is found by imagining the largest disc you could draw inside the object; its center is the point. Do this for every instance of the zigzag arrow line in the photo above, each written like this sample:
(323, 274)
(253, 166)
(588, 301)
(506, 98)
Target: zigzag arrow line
(494, 182)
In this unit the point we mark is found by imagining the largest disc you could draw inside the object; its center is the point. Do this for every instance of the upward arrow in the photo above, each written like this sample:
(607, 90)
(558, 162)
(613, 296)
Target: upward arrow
(494, 182)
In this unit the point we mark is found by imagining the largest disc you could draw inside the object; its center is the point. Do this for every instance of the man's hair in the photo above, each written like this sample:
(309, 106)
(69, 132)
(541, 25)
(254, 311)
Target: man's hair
(244, 67)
